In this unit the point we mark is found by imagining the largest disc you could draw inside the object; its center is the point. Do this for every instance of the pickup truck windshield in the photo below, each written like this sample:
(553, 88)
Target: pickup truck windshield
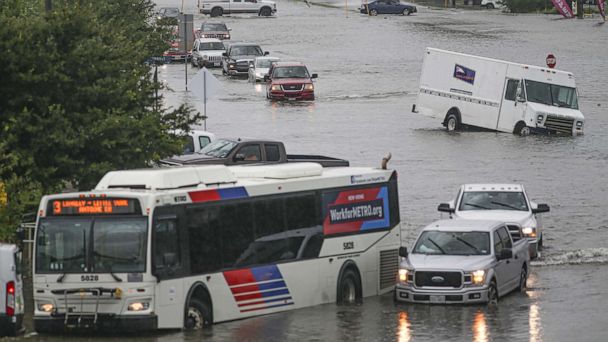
(246, 50)
(493, 200)
(84, 245)
(453, 243)
(290, 72)
(219, 148)
(551, 94)
(265, 63)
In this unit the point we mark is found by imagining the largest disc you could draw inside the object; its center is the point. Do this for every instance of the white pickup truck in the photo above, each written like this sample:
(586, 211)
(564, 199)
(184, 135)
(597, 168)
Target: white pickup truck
(462, 261)
(503, 202)
(217, 8)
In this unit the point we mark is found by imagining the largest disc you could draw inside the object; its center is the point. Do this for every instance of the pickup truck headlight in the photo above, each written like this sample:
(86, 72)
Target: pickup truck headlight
(309, 87)
(205, 57)
(275, 87)
(405, 276)
(479, 277)
(529, 231)
(579, 125)
(226, 36)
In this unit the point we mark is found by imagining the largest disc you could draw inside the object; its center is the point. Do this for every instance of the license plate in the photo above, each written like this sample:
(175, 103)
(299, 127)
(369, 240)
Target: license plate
(291, 98)
(216, 63)
(437, 299)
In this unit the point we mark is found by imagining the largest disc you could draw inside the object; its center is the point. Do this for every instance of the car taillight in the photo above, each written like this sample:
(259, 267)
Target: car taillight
(10, 298)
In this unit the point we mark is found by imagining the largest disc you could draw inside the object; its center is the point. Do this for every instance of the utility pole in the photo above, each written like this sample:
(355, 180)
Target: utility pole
(580, 9)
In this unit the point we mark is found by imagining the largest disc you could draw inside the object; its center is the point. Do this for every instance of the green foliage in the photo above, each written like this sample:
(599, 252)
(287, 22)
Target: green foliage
(77, 98)
(523, 6)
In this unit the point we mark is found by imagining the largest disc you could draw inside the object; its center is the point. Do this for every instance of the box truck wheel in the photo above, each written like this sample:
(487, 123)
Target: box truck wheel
(521, 129)
(452, 121)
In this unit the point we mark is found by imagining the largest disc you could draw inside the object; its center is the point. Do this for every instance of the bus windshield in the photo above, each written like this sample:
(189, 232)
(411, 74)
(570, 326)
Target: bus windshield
(551, 94)
(453, 243)
(85, 245)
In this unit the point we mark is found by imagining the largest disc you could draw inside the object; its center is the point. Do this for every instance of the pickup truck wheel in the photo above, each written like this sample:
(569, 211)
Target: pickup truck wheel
(373, 12)
(406, 12)
(265, 12)
(490, 6)
(540, 242)
(217, 12)
(492, 293)
(523, 280)
(452, 123)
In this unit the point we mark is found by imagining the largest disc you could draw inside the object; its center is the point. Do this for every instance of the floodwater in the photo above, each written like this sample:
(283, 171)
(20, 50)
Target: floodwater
(368, 77)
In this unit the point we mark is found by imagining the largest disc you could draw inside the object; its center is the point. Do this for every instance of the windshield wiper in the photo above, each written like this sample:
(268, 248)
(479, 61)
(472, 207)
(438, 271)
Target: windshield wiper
(467, 243)
(117, 278)
(436, 245)
(477, 206)
(506, 205)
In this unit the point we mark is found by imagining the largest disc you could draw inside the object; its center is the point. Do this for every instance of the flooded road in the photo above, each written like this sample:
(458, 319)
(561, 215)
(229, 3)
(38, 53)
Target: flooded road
(368, 77)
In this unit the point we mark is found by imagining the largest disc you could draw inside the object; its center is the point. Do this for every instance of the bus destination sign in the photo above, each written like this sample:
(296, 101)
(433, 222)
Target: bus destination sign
(94, 206)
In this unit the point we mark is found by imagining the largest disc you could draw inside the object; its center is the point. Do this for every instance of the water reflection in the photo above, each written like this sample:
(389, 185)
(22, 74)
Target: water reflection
(480, 327)
(404, 332)
(534, 322)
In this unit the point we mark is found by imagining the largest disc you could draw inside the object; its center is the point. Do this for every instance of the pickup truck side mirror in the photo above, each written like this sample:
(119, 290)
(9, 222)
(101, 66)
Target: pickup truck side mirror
(445, 207)
(266, 53)
(506, 253)
(225, 54)
(314, 76)
(239, 157)
(229, 29)
(403, 252)
(541, 208)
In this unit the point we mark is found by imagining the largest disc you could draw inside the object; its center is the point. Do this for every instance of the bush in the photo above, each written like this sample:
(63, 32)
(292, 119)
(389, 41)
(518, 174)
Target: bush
(523, 6)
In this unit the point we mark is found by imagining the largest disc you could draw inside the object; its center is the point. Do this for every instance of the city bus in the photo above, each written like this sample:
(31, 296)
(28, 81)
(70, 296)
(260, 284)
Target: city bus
(186, 247)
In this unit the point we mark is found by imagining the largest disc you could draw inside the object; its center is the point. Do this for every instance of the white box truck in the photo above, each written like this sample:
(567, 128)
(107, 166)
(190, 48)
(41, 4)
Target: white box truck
(466, 90)
(11, 291)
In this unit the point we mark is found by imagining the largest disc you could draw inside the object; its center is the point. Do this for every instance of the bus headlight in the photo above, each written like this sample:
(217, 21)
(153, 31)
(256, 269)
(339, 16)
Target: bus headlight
(46, 307)
(529, 231)
(479, 277)
(139, 306)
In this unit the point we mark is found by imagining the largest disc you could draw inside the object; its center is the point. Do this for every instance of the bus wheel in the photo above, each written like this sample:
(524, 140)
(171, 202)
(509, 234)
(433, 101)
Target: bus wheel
(349, 288)
(197, 316)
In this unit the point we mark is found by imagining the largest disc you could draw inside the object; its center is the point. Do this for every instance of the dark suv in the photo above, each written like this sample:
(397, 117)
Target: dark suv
(238, 57)
(214, 30)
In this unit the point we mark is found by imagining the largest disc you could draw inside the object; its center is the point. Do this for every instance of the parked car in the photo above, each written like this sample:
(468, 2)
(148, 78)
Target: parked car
(11, 291)
(289, 81)
(217, 8)
(504, 202)
(238, 57)
(462, 261)
(489, 4)
(167, 15)
(388, 7)
(213, 30)
(260, 68)
(207, 52)
(197, 140)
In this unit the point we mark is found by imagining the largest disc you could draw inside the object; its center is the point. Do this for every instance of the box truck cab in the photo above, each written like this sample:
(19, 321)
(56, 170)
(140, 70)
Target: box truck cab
(11, 290)
(466, 90)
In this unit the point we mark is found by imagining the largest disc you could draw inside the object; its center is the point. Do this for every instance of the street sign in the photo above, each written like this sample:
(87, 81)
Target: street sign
(551, 61)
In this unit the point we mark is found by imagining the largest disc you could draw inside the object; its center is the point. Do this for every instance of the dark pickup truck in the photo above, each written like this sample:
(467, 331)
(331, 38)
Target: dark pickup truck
(238, 152)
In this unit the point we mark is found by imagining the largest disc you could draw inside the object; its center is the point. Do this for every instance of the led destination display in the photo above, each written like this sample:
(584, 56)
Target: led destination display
(94, 206)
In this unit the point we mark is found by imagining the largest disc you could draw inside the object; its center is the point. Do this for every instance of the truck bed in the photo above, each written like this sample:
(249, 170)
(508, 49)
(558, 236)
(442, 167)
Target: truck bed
(323, 160)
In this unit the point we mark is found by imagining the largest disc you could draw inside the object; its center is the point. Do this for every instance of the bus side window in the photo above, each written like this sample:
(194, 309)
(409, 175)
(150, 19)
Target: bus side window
(167, 251)
(313, 245)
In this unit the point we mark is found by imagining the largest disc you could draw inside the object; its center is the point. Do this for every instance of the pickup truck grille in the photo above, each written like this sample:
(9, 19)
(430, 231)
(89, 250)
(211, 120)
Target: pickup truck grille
(561, 125)
(293, 87)
(242, 66)
(214, 58)
(438, 279)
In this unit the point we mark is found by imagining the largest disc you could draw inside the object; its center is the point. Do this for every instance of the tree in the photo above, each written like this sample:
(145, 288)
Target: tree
(77, 98)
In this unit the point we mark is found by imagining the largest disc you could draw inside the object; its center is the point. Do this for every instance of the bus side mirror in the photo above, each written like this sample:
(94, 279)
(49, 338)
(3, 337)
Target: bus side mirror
(445, 207)
(403, 252)
(20, 234)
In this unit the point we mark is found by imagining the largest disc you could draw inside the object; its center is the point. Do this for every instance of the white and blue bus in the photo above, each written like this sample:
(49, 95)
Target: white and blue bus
(191, 246)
